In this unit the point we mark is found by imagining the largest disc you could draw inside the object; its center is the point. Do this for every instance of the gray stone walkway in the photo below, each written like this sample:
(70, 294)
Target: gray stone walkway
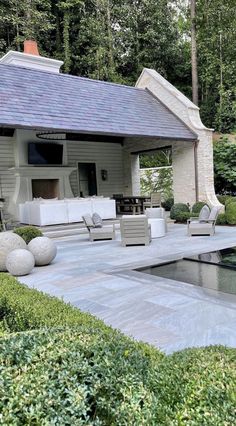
(99, 277)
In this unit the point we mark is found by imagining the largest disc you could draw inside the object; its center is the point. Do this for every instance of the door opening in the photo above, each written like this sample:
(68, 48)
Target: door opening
(87, 179)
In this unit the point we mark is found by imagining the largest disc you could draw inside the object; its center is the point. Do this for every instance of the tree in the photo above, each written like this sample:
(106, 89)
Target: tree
(225, 166)
(194, 52)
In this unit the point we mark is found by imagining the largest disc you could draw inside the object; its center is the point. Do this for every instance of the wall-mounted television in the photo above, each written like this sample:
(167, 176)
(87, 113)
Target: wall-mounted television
(45, 153)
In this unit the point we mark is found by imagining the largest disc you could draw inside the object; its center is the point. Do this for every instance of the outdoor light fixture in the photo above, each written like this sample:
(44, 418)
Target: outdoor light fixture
(52, 136)
(104, 174)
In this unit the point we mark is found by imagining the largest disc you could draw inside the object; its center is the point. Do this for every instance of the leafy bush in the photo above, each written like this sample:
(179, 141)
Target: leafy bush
(167, 204)
(182, 217)
(196, 387)
(33, 309)
(221, 219)
(196, 208)
(222, 198)
(28, 233)
(79, 376)
(229, 200)
(178, 208)
(87, 373)
(224, 166)
(230, 213)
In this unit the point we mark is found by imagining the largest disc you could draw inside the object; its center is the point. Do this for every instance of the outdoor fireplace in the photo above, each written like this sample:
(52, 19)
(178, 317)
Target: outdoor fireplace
(45, 188)
(31, 183)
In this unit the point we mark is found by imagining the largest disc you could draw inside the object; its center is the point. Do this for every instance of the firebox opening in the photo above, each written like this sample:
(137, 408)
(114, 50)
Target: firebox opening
(45, 188)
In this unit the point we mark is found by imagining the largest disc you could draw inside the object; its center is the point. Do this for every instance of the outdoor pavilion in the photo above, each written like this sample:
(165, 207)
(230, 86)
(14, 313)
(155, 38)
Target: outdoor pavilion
(97, 122)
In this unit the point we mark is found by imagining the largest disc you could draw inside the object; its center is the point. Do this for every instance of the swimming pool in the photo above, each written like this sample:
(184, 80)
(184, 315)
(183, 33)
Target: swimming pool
(214, 270)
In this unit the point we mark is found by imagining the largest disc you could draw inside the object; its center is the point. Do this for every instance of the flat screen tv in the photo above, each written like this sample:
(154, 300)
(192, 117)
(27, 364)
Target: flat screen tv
(45, 153)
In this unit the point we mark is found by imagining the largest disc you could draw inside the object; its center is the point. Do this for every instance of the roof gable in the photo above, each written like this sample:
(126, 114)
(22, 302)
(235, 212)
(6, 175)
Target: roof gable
(43, 100)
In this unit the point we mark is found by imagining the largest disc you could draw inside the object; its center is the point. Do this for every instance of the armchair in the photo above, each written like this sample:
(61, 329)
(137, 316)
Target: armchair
(203, 225)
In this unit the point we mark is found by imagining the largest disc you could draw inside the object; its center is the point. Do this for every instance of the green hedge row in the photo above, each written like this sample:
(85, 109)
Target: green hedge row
(70, 368)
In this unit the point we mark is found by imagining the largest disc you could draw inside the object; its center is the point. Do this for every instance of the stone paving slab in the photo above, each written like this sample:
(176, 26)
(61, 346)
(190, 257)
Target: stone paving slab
(99, 277)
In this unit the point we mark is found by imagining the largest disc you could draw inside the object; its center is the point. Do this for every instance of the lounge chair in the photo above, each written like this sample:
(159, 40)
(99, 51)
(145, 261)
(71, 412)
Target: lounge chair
(135, 230)
(154, 202)
(96, 229)
(205, 223)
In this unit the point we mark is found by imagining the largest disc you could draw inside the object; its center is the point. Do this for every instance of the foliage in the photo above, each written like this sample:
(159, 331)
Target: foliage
(225, 167)
(167, 204)
(182, 217)
(178, 208)
(216, 23)
(230, 213)
(76, 375)
(114, 39)
(153, 178)
(196, 387)
(223, 198)
(160, 180)
(80, 376)
(221, 219)
(33, 309)
(28, 233)
(197, 207)
(229, 200)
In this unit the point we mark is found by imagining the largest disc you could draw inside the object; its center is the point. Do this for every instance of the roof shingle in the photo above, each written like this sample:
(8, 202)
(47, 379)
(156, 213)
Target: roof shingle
(42, 100)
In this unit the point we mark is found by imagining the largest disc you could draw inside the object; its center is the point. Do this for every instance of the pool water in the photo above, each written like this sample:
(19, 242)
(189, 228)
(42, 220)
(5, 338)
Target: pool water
(215, 270)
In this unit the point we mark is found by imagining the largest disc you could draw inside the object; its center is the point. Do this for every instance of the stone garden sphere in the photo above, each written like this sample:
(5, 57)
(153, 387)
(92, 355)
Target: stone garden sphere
(8, 242)
(20, 262)
(43, 249)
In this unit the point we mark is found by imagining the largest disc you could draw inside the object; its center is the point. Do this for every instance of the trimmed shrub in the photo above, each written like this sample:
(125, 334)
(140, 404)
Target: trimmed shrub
(197, 387)
(182, 217)
(87, 373)
(197, 207)
(221, 219)
(223, 198)
(33, 309)
(229, 201)
(167, 204)
(78, 376)
(178, 208)
(230, 213)
(28, 233)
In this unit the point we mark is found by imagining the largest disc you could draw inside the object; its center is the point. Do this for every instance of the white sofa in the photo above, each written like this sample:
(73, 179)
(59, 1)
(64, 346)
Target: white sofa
(54, 212)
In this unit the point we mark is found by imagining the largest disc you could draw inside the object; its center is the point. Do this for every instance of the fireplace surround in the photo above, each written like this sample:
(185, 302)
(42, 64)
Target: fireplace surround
(58, 184)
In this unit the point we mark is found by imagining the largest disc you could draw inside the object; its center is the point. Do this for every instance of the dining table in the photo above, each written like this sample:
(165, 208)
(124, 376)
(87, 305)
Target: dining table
(131, 203)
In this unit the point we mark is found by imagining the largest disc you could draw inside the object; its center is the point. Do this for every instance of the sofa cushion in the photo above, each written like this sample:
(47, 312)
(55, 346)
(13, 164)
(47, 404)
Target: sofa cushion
(97, 220)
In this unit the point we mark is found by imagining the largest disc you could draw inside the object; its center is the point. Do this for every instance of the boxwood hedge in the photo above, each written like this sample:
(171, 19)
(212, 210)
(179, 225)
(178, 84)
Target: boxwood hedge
(28, 233)
(70, 368)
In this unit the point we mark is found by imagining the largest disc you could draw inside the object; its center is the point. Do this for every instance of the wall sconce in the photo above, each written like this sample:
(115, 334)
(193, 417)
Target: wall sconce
(104, 174)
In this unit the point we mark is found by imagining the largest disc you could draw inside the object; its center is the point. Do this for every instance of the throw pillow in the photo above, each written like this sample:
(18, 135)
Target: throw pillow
(97, 220)
(204, 213)
(88, 221)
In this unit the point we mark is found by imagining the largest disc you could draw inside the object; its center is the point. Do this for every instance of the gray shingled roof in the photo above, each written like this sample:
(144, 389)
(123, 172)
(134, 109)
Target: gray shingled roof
(43, 100)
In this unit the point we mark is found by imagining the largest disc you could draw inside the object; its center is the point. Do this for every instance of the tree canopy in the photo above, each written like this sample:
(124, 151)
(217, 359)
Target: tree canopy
(114, 39)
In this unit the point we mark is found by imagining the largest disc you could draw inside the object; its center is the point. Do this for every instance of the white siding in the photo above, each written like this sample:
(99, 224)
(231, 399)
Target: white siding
(107, 156)
(7, 179)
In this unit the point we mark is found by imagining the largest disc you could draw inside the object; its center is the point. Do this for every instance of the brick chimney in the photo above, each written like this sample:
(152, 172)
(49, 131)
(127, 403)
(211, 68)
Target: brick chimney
(31, 47)
(31, 59)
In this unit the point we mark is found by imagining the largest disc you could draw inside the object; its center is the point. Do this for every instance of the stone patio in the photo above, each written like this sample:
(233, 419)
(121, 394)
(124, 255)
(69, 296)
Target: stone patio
(99, 278)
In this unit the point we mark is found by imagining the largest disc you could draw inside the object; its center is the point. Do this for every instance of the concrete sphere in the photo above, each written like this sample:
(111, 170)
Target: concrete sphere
(43, 249)
(20, 262)
(8, 242)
